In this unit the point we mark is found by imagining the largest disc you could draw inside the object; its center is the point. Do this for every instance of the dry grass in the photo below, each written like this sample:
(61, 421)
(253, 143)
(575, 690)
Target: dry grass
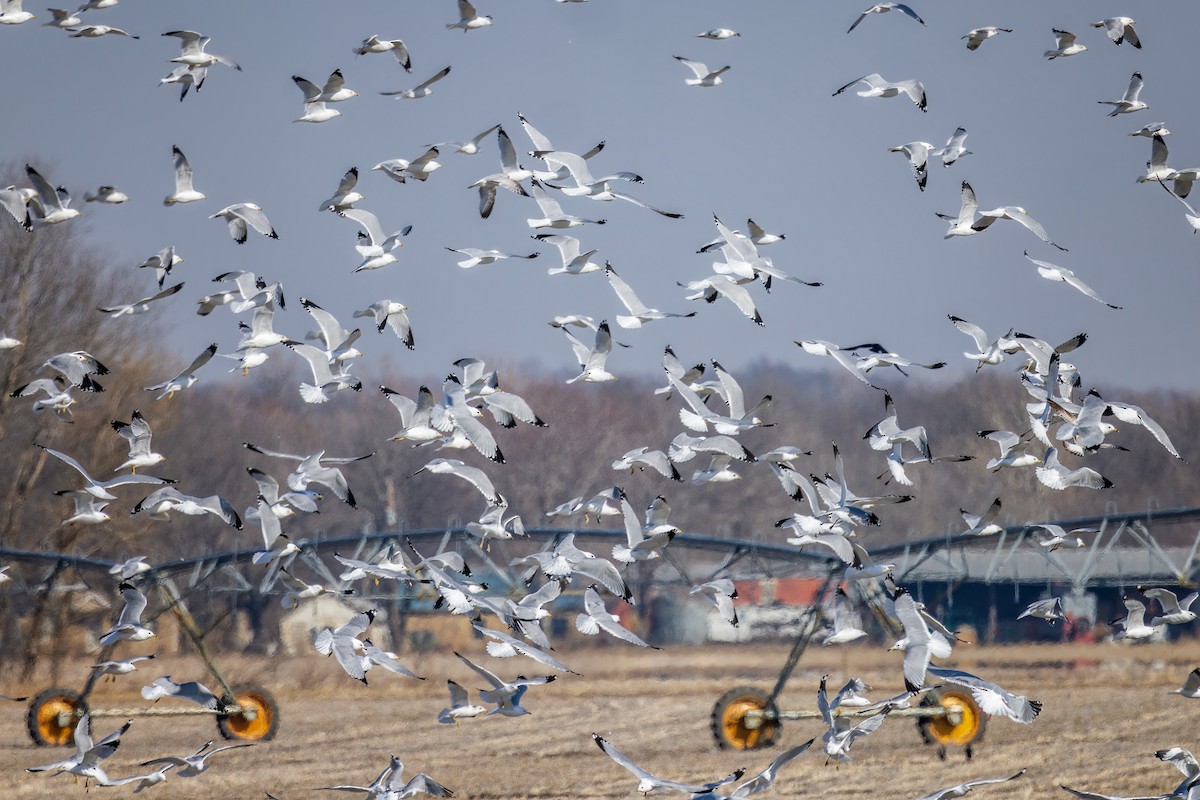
(1107, 709)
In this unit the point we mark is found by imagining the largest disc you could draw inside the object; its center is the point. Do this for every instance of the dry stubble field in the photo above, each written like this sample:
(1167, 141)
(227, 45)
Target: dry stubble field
(1106, 710)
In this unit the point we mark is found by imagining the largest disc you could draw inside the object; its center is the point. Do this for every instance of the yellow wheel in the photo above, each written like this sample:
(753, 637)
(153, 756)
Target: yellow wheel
(257, 718)
(962, 725)
(745, 719)
(52, 716)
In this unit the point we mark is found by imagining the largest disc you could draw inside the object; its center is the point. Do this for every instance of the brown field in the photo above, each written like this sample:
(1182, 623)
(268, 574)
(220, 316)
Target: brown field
(1107, 709)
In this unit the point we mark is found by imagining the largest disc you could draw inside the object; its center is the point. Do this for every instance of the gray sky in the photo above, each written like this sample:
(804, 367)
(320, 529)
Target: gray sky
(770, 143)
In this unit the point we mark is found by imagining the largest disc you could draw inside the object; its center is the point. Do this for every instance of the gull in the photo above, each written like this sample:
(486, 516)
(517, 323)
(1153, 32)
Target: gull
(322, 366)
(971, 221)
(312, 470)
(1050, 610)
(85, 762)
(192, 53)
(390, 785)
(643, 543)
(1053, 272)
(262, 333)
(475, 256)
(566, 560)
(399, 169)
(596, 618)
(917, 154)
(878, 87)
(704, 75)
(1009, 455)
(641, 457)
(11, 13)
(106, 194)
(62, 17)
(719, 470)
(763, 780)
(139, 306)
(184, 193)
(720, 593)
(1119, 29)
(143, 781)
(339, 343)
(639, 313)
(977, 36)
(954, 149)
(992, 699)
(960, 790)
(1156, 167)
(573, 261)
(390, 314)
(298, 591)
(1130, 102)
(1133, 625)
(128, 627)
(281, 506)
(51, 204)
(919, 643)
(1151, 130)
(89, 510)
(137, 433)
(420, 90)
(1134, 415)
(552, 213)
(315, 109)
(195, 763)
(162, 263)
(844, 357)
(1064, 45)
(374, 44)
(505, 646)
(129, 568)
(378, 251)
(648, 783)
(887, 432)
(505, 695)
(96, 31)
(588, 186)
(471, 146)
(982, 524)
(415, 416)
(469, 18)
(472, 475)
(1190, 688)
(846, 623)
(454, 414)
(186, 378)
(58, 396)
(714, 286)
(592, 359)
(492, 524)
(345, 646)
(881, 8)
(1174, 611)
(158, 504)
(186, 77)
(100, 489)
(122, 667)
(9, 342)
(718, 34)
(241, 215)
(839, 735)
(1053, 474)
(460, 706)
(345, 196)
(760, 237)
(333, 91)
(78, 367)
(487, 186)
(990, 351)
(196, 692)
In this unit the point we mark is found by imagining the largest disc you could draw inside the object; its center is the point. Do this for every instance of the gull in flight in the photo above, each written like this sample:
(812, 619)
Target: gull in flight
(878, 87)
(1130, 102)
(390, 785)
(399, 169)
(1009, 455)
(137, 433)
(100, 489)
(648, 782)
(322, 365)
(415, 415)
(471, 146)
(505, 646)
(162, 263)
(917, 154)
(990, 351)
(881, 8)
(639, 313)
(971, 221)
(390, 314)
(420, 90)
(316, 97)
(58, 396)
(475, 256)
(919, 643)
(469, 18)
(505, 695)
(345, 196)
(1156, 167)
(1050, 610)
(185, 378)
(1152, 129)
(62, 17)
(1059, 537)
(954, 149)
(720, 593)
(311, 470)
(192, 53)
(704, 75)
(460, 706)
(596, 618)
(11, 13)
(846, 623)
(592, 360)
(184, 192)
(1174, 610)
(106, 194)
(1190, 688)
(1064, 45)
(96, 31)
(85, 762)
(574, 262)
(51, 204)
(552, 213)
(977, 36)
(1133, 625)
(193, 691)
(130, 567)
(992, 699)
(186, 77)
(195, 763)
(839, 734)
(128, 627)
(377, 250)
(88, 509)
(718, 34)
(982, 524)
(139, 306)
(123, 667)
(1052, 272)
(1053, 474)
(396, 47)
(472, 475)
(714, 286)
(1119, 29)
(241, 215)
(960, 790)
(158, 504)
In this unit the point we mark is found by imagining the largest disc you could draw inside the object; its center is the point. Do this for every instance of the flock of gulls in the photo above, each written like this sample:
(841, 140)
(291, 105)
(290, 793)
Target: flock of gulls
(1064, 421)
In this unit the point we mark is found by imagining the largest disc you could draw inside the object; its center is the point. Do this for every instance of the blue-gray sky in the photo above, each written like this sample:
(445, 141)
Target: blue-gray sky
(770, 143)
